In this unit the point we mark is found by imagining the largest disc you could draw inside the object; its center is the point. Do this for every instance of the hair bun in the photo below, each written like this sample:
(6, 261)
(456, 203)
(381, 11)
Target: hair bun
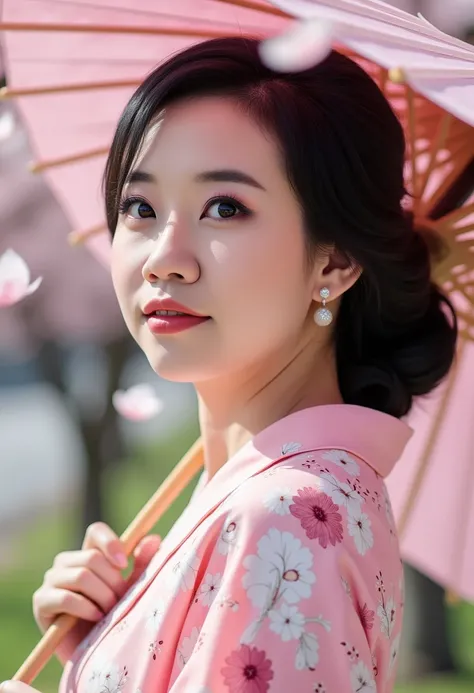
(398, 367)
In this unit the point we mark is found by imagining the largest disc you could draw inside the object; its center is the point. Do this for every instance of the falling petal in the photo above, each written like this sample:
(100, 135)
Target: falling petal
(7, 125)
(306, 44)
(14, 268)
(15, 279)
(138, 403)
(33, 286)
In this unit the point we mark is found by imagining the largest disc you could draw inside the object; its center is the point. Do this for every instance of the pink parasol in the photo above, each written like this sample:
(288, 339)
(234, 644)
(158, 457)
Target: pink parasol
(73, 64)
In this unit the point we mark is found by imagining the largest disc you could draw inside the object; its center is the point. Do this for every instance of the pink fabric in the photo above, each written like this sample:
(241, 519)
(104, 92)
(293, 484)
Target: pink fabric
(439, 535)
(283, 573)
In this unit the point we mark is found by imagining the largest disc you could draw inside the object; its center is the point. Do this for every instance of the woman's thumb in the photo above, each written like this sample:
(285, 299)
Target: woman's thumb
(143, 554)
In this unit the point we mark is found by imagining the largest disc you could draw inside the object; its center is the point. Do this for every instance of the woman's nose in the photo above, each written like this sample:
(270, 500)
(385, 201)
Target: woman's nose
(170, 259)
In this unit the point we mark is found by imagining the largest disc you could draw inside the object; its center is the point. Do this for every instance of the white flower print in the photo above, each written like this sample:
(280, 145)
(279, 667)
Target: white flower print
(386, 611)
(344, 460)
(362, 680)
(394, 654)
(187, 646)
(106, 677)
(270, 472)
(288, 448)
(185, 569)
(288, 622)
(278, 500)
(228, 537)
(208, 590)
(360, 528)
(155, 618)
(123, 625)
(307, 654)
(341, 493)
(228, 602)
(282, 567)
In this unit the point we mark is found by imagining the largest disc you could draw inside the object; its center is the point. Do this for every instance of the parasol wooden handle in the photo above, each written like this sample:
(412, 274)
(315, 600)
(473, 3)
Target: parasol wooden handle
(179, 478)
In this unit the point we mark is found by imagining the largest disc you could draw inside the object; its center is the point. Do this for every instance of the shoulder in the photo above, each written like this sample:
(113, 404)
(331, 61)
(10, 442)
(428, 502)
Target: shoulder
(342, 476)
(328, 500)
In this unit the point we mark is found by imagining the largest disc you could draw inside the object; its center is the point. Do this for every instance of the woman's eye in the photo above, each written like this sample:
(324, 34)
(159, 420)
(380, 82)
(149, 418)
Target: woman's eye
(137, 209)
(224, 209)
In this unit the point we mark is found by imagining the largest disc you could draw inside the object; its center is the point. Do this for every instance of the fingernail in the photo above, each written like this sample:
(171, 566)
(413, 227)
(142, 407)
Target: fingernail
(3, 685)
(121, 560)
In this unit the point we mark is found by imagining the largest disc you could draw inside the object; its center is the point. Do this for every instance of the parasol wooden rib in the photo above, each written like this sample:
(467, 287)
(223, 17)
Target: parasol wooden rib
(148, 516)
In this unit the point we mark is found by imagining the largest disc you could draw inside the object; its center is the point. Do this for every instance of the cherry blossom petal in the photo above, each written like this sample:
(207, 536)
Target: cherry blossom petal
(138, 403)
(15, 279)
(7, 125)
(33, 286)
(306, 44)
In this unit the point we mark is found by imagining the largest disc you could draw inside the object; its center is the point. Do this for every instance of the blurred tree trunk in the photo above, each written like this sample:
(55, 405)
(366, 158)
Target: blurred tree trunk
(425, 642)
(102, 442)
(433, 639)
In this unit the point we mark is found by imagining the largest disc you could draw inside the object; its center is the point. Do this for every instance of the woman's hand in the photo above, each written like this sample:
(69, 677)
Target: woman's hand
(88, 583)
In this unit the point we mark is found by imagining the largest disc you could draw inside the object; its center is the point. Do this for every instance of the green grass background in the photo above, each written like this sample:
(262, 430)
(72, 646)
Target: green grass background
(128, 486)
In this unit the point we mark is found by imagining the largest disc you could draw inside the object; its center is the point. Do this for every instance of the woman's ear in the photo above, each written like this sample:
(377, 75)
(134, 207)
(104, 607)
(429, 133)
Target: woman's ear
(335, 272)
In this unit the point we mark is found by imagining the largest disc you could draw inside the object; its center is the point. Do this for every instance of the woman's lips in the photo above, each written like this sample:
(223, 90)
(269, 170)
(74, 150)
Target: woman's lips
(171, 323)
(166, 304)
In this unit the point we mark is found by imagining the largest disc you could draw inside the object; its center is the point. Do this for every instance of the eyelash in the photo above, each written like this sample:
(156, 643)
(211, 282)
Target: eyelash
(244, 211)
(125, 204)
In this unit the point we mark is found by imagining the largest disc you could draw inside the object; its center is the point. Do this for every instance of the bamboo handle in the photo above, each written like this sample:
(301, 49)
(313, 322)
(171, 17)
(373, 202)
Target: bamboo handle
(148, 516)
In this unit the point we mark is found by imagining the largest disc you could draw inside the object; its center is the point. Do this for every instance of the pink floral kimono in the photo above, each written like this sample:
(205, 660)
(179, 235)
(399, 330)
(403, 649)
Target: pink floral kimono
(283, 573)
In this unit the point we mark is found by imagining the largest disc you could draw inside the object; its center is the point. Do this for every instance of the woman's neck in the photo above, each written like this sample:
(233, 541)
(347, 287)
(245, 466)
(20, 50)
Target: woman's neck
(233, 410)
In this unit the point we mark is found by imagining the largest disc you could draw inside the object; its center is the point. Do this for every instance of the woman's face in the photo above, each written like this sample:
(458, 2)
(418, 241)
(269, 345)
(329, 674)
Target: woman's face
(215, 226)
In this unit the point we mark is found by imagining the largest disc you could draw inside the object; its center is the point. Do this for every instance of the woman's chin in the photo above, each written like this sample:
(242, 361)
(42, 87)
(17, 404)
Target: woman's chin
(175, 369)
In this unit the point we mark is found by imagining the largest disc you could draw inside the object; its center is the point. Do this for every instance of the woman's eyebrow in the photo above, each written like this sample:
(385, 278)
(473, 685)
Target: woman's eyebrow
(228, 176)
(217, 176)
(140, 177)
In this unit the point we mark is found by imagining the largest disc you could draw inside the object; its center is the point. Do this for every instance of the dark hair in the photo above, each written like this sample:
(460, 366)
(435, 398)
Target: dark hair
(344, 149)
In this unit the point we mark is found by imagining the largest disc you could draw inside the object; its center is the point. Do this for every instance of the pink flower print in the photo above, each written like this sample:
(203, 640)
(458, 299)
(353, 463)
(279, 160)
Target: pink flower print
(318, 515)
(366, 617)
(248, 671)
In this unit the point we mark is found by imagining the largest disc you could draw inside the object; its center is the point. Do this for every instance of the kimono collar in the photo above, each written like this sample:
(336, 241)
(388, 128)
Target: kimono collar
(377, 438)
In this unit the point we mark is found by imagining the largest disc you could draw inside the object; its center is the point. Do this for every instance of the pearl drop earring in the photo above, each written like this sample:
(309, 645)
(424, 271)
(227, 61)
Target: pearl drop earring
(323, 316)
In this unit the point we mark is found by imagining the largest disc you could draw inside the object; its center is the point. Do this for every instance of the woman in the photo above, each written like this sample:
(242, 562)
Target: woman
(261, 252)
